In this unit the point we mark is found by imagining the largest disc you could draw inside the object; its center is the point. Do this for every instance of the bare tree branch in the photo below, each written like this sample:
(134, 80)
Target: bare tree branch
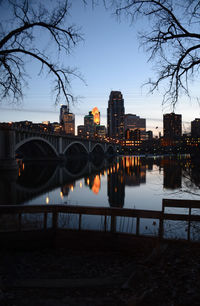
(173, 41)
(19, 41)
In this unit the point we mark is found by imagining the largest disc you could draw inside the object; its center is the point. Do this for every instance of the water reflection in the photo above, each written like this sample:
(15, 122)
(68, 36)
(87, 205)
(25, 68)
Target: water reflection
(115, 183)
(96, 184)
(172, 178)
(135, 171)
(132, 182)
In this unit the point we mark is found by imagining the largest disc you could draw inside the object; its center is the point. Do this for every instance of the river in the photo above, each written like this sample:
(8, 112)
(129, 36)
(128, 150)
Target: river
(135, 182)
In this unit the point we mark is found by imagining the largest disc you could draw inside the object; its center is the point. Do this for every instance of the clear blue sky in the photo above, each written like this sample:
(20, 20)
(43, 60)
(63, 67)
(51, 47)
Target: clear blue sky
(109, 58)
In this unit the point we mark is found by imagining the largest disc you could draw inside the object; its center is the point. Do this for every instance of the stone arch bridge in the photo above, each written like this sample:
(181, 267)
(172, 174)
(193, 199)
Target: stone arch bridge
(36, 144)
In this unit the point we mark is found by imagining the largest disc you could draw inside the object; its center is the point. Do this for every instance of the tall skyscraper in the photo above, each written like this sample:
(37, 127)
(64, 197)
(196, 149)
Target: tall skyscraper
(172, 125)
(195, 128)
(149, 135)
(69, 123)
(133, 122)
(64, 109)
(96, 114)
(67, 120)
(81, 130)
(115, 115)
(89, 125)
(100, 131)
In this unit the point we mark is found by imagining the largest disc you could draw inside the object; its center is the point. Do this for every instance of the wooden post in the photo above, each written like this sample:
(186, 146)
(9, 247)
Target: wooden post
(189, 224)
(20, 221)
(138, 226)
(160, 233)
(79, 225)
(105, 223)
(55, 220)
(45, 220)
(113, 224)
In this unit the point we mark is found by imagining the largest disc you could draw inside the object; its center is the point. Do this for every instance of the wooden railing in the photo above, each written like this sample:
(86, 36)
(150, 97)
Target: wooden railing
(106, 212)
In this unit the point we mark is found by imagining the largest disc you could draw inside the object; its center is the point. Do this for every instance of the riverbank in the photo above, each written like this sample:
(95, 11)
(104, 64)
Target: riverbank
(164, 273)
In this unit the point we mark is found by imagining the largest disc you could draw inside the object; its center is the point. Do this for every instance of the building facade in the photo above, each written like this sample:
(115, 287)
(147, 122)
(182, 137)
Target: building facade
(81, 130)
(69, 123)
(172, 126)
(133, 122)
(195, 127)
(64, 109)
(100, 131)
(149, 135)
(115, 115)
(89, 125)
(67, 120)
(96, 116)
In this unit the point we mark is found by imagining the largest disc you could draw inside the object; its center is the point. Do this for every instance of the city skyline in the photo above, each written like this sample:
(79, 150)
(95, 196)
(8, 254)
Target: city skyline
(186, 125)
(104, 67)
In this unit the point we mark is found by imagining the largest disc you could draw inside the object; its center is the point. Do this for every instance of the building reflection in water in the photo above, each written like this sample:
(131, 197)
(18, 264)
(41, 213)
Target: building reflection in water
(116, 184)
(127, 171)
(172, 174)
(135, 171)
(66, 189)
(35, 179)
(96, 184)
(93, 182)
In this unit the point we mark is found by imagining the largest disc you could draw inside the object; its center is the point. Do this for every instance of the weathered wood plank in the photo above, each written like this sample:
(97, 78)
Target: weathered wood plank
(87, 210)
(181, 203)
(104, 211)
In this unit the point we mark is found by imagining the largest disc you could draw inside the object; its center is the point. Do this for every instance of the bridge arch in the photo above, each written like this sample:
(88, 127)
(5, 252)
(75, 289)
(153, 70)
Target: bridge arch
(48, 175)
(98, 148)
(35, 141)
(78, 145)
(76, 174)
(110, 149)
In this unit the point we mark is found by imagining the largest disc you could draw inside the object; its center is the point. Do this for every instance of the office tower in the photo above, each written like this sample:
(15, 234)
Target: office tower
(133, 134)
(100, 131)
(69, 123)
(67, 120)
(149, 135)
(115, 115)
(64, 109)
(195, 128)
(89, 125)
(133, 122)
(172, 125)
(57, 128)
(96, 115)
(81, 130)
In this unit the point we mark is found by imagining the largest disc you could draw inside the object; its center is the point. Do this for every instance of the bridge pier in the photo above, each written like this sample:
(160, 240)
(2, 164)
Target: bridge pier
(7, 150)
(8, 192)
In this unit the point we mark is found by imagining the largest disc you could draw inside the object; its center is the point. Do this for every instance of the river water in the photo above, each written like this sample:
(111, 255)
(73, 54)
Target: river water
(134, 182)
(127, 181)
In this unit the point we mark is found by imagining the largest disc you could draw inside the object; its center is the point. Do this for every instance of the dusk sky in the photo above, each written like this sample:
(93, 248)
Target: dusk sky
(109, 58)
